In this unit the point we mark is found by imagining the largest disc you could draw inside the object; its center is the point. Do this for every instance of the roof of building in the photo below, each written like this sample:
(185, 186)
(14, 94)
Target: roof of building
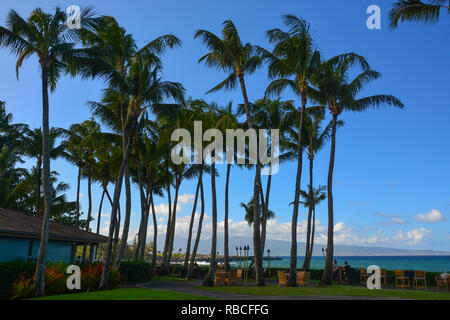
(22, 225)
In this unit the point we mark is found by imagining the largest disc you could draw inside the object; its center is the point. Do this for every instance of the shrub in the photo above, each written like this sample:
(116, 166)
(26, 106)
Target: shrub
(16, 279)
(55, 279)
(114, 278)
(21, 289)
(135, 272)
(90, 277)
(12, 271)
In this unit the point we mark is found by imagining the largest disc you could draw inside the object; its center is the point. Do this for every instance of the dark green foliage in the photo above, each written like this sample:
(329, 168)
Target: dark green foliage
(135, 272)
(11, 271)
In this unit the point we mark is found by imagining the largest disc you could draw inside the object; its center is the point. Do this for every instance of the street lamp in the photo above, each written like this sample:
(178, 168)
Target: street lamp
(246, 253)
(268, 253)
(240, 254)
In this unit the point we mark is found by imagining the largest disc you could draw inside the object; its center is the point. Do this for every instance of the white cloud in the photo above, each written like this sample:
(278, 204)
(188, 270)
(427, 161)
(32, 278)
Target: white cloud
(414, 236)
(432, 216)
(163, 209)
(391, 218)
(398, 220)
(186, 198)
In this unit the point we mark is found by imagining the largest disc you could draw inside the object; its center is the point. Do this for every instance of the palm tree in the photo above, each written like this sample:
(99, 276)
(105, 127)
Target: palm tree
(315, 138)
(11, 133)
(312, 198)
(234, 58)
(42, 35)
(271, 115)
(292, 63)
(33, 149)
(227, 120)
(134, 74)
(417, 11)
(210, 120)
(200, 224)
(248, 207)
(197, 112)
(338, 94)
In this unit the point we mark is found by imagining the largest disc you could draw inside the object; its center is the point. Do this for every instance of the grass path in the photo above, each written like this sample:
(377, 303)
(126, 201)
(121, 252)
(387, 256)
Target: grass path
(127, 294)
(335, 290)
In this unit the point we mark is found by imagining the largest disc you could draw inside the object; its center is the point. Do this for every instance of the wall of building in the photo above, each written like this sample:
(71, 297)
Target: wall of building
(19, 249)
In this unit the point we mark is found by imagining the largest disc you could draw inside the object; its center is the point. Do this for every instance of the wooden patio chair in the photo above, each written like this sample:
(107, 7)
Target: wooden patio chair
(441, 283)
(239, 274)
(363, 276)
(303, 278)
(282, 279)
(231, 280)
(401, 279)
(219, 279)
(420, 280)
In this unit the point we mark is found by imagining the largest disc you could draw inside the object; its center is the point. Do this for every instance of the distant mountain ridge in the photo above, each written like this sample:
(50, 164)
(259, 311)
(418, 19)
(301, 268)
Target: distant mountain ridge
(283, 248)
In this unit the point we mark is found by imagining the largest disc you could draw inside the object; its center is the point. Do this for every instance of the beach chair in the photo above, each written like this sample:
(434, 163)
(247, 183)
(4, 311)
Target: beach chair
(282, 279)
(219, 279)
(363, 276)
(231, 280)
(420, 278)
(401, 279)
(441, 283)
(239, 274)
(303, 278)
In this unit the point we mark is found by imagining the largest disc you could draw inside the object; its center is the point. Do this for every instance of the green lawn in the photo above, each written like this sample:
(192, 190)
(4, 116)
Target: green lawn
(170, 278)
(127, 294)
(334, 290)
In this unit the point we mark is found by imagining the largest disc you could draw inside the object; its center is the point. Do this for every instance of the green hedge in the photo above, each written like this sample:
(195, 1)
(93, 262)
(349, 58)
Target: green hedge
(135, 272)
(10, 272)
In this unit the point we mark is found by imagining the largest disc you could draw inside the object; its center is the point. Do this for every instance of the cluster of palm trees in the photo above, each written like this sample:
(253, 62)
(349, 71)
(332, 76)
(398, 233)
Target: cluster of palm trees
(141, 110)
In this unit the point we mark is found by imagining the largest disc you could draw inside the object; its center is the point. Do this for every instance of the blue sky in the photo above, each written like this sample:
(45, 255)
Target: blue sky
(392, 169)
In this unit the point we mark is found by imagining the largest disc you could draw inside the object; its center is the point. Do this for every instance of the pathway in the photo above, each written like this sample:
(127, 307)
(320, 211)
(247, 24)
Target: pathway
(189, 288)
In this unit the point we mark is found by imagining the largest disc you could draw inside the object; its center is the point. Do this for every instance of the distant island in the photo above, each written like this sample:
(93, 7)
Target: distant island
(282, 248)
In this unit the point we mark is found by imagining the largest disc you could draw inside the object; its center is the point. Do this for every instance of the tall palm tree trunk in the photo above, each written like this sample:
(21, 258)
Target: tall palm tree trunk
(116, 234)
(293, 270)
(126, 222)
(173, 223)
(265, 211)
(225, 245)
(39, 279)
(259, 274)
(312, 236)
(104, 281)
(88, 218)
(328, 270)
(38, 185)
(199, 230)
(140, 249)
(191, 226)
(78, 197)
(99, 215)
(310, 208)
(155, 233)
(209, 280)
(169, 219)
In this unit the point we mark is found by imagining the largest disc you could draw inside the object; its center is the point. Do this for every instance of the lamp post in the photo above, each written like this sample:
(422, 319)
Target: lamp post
(246, 252)
(240, 257)
(268, 253)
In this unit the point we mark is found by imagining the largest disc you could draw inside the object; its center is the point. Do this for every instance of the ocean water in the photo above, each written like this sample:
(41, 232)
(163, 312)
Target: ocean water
(425, 263)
